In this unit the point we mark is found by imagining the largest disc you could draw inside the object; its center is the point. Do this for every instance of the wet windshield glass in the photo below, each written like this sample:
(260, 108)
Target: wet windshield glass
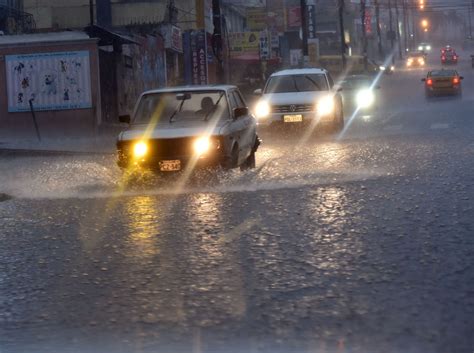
(169, 107)
(297, 83)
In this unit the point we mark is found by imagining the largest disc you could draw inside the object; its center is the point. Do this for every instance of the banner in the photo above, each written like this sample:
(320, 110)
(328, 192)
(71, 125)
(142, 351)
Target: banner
(53, 81)
(199, 57)
(311, 22)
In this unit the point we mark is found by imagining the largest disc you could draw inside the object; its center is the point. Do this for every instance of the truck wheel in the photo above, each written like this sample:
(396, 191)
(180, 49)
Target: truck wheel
(232, 161)
(249, 162)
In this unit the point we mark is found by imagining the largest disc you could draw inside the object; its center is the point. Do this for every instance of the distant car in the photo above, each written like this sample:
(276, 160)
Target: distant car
(443, 82)
(359, 94)
(425, 48)
(387, 69)
(196, 126)
(449, 57)
(300, 97)
(416, 59)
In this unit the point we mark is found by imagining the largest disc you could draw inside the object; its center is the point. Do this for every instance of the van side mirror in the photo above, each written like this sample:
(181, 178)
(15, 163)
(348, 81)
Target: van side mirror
(124, 119)
(257, 92)
(239, 112)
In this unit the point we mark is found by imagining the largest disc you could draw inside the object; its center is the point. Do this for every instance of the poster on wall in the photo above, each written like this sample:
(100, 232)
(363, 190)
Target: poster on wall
(199, 58)
(53, 81)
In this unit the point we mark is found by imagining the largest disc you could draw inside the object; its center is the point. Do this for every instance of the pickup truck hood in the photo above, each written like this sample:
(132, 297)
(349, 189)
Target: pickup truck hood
(294, 97)
(174, 130)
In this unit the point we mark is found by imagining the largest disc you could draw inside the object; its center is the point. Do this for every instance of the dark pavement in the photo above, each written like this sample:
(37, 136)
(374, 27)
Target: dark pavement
(362, 242)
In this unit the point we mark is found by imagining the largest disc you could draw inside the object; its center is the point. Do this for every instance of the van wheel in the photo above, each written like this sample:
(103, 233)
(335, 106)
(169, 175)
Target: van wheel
(249, 162)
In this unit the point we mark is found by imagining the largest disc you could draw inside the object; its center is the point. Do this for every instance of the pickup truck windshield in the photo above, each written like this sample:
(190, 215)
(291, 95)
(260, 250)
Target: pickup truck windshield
(169, 107)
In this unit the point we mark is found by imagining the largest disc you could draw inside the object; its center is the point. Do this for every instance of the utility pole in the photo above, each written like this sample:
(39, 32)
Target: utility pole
(364, 33)
(91, 12)
(405, 26)
(398, 30)
(217, 39)
(390, 21)
(379, 34)
(343, 37)
(304, 30)
(470, 21)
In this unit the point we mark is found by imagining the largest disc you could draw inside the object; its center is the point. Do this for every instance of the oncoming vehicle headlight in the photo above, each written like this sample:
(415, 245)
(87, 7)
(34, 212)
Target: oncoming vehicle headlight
(428, 47)
(325, 105)
(421, 61)
(140, 149)
(202, 145)
(392, 68)
(420, 47)
(382, 68)
(365, 98)
(262, 110)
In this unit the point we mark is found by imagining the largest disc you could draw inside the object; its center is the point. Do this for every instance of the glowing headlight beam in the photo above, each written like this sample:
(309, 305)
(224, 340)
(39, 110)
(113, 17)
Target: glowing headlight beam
(325, 105)
(262, 110)
(202, 145)
(140, 149)
(365, 98)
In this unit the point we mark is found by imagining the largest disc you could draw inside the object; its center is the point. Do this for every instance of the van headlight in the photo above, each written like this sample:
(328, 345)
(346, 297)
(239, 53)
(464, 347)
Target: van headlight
(140, 149)
(262, 110)
(365, 98)
(325, 105)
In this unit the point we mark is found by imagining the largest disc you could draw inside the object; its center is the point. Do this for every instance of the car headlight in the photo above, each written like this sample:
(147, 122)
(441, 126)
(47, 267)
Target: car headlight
(428, 47)
(392, 68)
(140, 149)
(325, 105)
(421, 61)
(382, 68)
(262, 110)
(202, 145)
(365, 98)
(420, 48)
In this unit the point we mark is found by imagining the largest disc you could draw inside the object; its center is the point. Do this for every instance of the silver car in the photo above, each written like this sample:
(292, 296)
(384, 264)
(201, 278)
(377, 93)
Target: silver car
(197, 126)
(300, 97)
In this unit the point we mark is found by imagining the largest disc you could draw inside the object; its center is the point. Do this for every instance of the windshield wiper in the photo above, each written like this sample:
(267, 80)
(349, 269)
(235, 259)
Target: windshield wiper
(313, 82)
(176, 111)
(213, 107)
(294, 83)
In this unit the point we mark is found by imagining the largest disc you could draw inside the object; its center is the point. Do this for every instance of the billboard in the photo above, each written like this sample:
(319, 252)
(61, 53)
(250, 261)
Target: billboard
(53, 81)
(242, 43)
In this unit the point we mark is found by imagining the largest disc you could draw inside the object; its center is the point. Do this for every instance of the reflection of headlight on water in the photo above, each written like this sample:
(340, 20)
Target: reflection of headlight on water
(140, 149)
(365, 98)
(202, 145)
(325, 105)
(262, 110)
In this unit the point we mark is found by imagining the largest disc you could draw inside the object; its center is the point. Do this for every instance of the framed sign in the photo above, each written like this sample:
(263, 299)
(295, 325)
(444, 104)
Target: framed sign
(53, 81)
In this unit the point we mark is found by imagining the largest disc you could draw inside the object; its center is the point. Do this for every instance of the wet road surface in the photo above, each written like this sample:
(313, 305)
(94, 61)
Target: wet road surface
(361, 242)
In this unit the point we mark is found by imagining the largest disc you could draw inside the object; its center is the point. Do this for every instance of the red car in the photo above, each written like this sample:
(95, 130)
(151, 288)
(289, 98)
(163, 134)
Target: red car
(449, 56)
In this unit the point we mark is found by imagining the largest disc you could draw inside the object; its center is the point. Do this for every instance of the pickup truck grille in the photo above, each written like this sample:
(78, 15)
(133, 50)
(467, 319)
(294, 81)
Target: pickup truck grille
(293, 108)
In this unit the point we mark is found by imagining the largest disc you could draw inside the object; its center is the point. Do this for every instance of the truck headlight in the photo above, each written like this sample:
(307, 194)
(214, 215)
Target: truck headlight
(140, 149)
(202, 145)
(262, 110)
(325, 105)
(365, 98)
